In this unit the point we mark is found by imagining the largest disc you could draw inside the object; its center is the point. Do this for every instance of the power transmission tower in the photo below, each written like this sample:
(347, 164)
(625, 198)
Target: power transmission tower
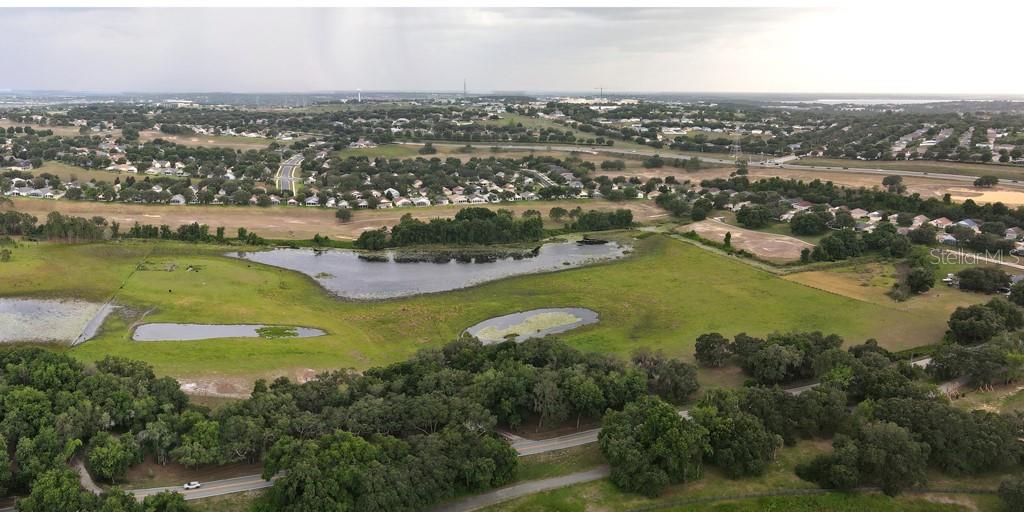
(735, 151)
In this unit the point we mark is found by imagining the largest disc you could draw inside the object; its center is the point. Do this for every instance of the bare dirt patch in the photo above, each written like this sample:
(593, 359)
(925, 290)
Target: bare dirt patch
(772, 247)
(219, 386)
(221, 141)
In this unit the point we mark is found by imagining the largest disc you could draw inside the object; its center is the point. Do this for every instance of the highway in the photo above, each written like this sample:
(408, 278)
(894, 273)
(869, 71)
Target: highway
(288, 175)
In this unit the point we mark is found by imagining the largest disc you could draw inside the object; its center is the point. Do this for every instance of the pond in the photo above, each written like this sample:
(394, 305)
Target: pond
(352, 275)
(193, 332)
(50, 320)
(535, 323)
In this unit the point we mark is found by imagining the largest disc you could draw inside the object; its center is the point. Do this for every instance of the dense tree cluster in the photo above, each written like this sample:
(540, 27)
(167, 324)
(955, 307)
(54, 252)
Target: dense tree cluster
(776, 359)
(978, 323)
(649, 446)
(470, 226)
(985, 279)
(58, 227)
(53, 406)
(400, 437)
(847, 243)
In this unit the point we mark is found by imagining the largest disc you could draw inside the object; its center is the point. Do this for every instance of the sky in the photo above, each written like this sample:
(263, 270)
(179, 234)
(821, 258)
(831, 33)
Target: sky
(874, 48)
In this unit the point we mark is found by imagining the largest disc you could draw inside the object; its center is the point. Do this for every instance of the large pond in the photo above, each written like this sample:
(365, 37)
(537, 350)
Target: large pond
(193, 332)
(535, 323)
(46, 320)
(348, 275)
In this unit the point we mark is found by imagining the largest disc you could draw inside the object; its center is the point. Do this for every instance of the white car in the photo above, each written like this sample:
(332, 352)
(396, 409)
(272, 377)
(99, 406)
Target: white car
(192, 485)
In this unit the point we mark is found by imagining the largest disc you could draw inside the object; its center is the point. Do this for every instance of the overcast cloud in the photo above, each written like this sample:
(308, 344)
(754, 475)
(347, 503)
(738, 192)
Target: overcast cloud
(869, 49)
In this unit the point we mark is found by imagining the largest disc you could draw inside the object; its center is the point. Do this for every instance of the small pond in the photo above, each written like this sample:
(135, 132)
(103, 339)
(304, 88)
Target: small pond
(535, 323)
(390, 274)
(193, 332)
(50, 320)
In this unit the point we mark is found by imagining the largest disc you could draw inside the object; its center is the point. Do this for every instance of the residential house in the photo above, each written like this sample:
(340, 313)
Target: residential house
(970, 223)
(178, 200)
(941, 223)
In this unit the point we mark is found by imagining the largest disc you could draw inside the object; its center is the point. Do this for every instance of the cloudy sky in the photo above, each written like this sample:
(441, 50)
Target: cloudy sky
(874, 49)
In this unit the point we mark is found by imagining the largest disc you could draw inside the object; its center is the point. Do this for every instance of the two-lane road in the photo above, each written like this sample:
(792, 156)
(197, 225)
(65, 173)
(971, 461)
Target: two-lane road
(214, 488)
(288, 175)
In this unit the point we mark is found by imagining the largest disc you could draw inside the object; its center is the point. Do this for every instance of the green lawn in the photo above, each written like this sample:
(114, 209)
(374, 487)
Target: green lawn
(662, 297)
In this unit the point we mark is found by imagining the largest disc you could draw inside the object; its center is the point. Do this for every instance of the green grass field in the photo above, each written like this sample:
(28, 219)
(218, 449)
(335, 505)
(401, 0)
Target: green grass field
(663, 297)
(963, 168)
(67, 172)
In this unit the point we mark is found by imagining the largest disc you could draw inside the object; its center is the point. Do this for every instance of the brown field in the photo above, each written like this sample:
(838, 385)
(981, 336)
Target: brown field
(296, 222)
(221, 141)
(768, 246)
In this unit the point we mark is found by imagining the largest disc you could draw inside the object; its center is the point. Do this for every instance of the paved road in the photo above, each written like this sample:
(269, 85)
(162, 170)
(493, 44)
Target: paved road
(288, 174)
(782, 162)
(213, 488)
(515, 491)
(968, 257)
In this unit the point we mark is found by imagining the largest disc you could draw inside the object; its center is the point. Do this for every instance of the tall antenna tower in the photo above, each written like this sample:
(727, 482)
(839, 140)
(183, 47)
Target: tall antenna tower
(464, 90)
(601, 95)
(359, 95)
